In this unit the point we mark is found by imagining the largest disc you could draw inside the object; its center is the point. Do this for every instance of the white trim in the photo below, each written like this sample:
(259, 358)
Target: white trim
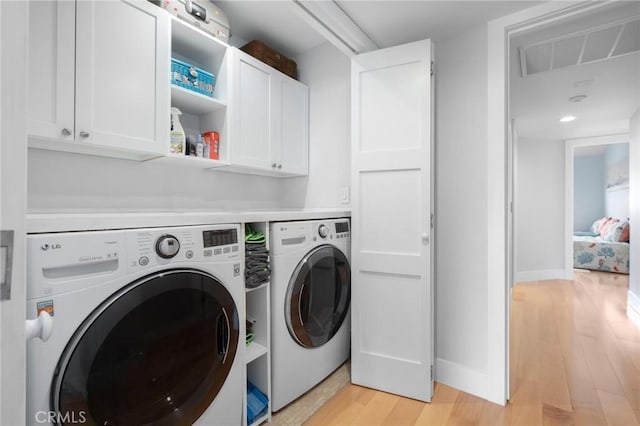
(569, 151)
(498, 32)
(541, 275)
(633, 307)
(460, 377)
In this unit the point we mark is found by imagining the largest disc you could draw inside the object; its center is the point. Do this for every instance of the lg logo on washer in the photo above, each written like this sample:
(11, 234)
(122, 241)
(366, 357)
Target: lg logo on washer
(54, 417)
(46, 247)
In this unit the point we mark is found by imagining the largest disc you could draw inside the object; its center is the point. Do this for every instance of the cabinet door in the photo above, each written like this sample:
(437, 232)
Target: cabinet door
(51, 69)
(122, 72)
(254, 101)
(294, 148)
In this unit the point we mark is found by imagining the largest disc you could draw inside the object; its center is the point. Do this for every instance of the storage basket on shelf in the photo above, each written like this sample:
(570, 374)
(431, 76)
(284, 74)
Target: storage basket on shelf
(192, 78)
(271, 57)
(257, 403)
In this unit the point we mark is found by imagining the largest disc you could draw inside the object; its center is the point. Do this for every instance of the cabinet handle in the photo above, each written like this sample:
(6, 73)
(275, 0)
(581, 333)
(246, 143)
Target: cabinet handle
(279, 166)
(66, 132)
(273, 166)
(84, 134)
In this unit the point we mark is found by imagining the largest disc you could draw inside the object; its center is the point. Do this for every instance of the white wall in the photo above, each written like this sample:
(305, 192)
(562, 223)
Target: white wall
(633, 304)
(461, 206)
(63, 181)
(616, 199)
(588, 190)
(540, 210)
(327, 73)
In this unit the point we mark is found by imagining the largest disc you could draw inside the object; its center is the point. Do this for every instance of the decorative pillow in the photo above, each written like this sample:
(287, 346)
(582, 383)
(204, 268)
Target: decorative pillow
(595, 228)
(612, 231)
(605, 225)
(624, 235)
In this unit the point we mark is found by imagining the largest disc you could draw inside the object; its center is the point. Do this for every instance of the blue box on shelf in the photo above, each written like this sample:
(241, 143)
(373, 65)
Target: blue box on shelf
(192, 78)
(257, 403)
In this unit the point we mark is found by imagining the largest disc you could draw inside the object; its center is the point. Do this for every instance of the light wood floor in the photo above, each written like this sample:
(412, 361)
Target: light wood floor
(575, 360)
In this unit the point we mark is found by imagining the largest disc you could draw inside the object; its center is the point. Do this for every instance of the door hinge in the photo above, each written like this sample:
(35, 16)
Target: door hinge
(431, 220)
(432, 373)
(432, 68)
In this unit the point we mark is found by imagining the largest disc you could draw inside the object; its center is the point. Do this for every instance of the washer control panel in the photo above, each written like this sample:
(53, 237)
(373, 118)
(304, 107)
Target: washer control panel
(162, 246)
(342, 229)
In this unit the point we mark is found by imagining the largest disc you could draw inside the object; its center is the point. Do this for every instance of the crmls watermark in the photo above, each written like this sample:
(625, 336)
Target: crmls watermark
(70, 417)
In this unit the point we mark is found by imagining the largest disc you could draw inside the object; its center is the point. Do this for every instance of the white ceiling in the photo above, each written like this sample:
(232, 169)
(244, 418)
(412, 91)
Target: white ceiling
(612, 86)
(538, 101)
(387, 23)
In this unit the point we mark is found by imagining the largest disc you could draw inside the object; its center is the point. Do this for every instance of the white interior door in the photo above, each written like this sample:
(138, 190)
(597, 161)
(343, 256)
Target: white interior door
(392, 303)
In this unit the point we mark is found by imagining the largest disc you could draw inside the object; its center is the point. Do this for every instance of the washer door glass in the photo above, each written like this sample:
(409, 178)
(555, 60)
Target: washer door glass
(318, 296)
(157, 352)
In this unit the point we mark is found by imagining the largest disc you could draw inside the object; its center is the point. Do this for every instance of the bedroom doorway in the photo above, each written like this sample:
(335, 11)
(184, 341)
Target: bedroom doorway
(597, 201)
(566, 91)
(553, 74)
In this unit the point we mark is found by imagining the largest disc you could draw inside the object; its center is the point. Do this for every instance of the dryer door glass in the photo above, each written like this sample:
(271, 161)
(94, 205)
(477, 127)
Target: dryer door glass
(157, 352)
(318, 296)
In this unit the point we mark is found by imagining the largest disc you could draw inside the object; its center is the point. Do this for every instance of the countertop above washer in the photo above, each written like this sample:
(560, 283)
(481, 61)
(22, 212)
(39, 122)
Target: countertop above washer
(40, 222)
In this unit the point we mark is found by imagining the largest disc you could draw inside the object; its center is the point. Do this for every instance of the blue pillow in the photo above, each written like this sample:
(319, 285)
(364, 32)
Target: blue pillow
(585, 234)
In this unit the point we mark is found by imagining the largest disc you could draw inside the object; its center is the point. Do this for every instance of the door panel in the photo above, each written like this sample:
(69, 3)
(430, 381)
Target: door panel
(383, 90)
(253, 131)
(295, 128)
(392, 306)
(122, 97)
(397, 231)
(51, 69)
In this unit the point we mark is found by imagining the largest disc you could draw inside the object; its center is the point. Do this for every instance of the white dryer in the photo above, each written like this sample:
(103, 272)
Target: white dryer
(130, 327)
(310, 301)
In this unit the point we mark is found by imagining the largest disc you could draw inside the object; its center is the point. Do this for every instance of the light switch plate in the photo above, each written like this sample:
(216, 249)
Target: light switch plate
(344, 195)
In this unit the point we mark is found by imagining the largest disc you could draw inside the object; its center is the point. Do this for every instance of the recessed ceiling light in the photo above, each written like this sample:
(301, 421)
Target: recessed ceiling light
(577, 98)
(567, 118)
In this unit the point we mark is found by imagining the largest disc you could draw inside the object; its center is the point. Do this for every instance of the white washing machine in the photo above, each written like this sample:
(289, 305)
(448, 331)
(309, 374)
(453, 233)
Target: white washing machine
(133, 327)
(310, 301)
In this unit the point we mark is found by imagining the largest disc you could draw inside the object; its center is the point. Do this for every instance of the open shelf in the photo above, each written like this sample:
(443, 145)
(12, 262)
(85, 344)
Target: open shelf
(254, 351)
(200, 47)
(195, 103)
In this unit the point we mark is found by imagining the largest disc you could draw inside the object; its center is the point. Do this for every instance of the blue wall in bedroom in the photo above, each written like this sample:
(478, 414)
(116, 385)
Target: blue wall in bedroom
(588, 190)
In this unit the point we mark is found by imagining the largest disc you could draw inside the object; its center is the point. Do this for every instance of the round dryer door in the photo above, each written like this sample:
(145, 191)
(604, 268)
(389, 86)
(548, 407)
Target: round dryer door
(157, 352)
(318, 296)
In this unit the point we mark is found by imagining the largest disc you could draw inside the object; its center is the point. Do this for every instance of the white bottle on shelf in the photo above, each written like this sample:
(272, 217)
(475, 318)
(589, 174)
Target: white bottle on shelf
(178, 138)
(200, 147)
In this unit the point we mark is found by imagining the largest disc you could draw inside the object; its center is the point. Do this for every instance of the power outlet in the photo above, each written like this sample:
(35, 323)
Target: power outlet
(344, 195)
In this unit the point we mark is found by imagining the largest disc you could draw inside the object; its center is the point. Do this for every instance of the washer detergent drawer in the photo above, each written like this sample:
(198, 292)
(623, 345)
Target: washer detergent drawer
(59, 263)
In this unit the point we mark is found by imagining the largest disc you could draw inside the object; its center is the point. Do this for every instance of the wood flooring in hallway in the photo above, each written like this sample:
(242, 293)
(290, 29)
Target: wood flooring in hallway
(575, 360)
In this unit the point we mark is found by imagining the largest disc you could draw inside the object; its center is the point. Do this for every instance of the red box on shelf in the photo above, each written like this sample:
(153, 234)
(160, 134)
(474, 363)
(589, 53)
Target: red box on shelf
(213, 139)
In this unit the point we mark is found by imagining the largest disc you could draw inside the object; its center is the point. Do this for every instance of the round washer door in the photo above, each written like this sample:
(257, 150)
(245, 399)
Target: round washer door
(156, 352)
(318, 296)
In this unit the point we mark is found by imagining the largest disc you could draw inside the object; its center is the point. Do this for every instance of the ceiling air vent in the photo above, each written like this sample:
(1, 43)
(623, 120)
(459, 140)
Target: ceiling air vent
(592, 45)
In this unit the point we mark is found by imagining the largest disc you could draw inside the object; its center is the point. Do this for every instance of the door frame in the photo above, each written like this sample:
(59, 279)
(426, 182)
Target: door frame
(569, 159)
(499, 32)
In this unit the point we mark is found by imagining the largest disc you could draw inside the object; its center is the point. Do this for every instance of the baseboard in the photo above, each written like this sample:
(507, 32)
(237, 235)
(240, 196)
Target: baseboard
(633, 307)
(548, 274)
(462, 378)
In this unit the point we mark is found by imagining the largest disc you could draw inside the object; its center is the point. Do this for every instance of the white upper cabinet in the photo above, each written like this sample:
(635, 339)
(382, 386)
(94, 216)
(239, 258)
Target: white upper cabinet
(115, 57)
(269, 120)
(294, 147)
